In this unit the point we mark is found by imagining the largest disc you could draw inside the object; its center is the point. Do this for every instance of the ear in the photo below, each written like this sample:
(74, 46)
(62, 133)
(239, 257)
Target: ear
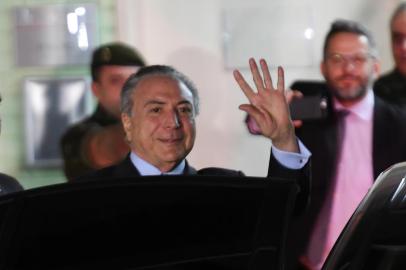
(126, 121)
(323, 68)
(95, 89)
(376, 66)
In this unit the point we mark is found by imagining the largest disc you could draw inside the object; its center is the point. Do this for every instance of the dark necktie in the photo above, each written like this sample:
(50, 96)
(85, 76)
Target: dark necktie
(341, 116)
(317, 245)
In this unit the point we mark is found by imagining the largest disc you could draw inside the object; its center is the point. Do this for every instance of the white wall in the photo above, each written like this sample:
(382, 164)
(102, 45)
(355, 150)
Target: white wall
(187, 34)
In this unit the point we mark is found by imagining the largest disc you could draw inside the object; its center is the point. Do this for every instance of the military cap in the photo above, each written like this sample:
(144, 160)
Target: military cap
(116, 54)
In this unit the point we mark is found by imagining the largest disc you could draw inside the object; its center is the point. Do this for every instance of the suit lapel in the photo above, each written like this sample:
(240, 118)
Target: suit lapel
(189, 170)
(379, 138)
(126, 168)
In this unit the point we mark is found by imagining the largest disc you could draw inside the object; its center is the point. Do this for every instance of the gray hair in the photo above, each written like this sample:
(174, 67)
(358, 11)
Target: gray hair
(132, 82)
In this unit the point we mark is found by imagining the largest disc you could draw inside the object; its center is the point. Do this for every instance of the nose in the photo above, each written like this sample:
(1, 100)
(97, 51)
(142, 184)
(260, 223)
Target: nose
(349, 65)
(172, 120)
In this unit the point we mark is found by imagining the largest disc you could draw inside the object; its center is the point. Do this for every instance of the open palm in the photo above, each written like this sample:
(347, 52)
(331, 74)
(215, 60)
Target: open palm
(268, 105)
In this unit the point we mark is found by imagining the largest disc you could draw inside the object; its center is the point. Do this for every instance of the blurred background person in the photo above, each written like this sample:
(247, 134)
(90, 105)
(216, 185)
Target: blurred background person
(98, 141)
(7, 183)
(392, 86)
(361, 137)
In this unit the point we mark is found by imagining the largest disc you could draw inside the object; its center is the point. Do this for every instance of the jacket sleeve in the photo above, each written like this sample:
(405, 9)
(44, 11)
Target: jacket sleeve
(302, 177)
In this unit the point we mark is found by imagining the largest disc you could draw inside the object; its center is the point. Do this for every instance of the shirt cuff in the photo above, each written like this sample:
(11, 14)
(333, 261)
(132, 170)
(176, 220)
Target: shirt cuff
(290, 160)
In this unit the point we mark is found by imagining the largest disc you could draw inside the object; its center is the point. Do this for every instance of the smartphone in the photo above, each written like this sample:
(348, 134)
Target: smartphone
(310, 107)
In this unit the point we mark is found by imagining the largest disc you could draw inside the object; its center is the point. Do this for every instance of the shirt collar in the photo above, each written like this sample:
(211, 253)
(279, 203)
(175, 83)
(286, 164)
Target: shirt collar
(363, 109)
(146, 169)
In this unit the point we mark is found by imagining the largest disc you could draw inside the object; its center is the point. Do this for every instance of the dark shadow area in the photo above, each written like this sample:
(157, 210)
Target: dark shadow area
(153, 223)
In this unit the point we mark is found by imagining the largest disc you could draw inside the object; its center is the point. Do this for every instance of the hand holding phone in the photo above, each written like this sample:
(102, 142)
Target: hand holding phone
(311, 107)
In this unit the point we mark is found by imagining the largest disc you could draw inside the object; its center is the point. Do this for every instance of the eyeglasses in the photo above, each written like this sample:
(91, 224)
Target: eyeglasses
(339, 60)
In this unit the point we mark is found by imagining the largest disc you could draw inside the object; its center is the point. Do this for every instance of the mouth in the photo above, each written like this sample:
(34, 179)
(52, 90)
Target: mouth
(171, 140)
(348, 80)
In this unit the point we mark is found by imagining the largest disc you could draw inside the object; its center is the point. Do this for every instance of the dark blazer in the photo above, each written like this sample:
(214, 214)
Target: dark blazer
(391, 87)
(127, 169)
(275, 170)
(320, 137)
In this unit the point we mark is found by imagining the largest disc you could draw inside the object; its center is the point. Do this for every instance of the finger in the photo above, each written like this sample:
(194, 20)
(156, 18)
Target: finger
(252, 126)
(263, 119)
(245, 87)
(245, 107)
(253, 112)
(259, 83)
(297, 123)
(292, 94)
(266, 73)
(260, 115)
(289, 95)
(281, 79)
(297, 94)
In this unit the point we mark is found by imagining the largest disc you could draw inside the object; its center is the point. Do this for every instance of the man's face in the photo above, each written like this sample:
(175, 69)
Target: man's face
(108, 88)
(348, 67)
(161, 127)
(398, 32)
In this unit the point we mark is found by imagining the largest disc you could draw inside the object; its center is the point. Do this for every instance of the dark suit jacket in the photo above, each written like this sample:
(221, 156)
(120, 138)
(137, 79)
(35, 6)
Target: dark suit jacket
(391, 87)
(127, 169)
(275, 170)
(320, 137)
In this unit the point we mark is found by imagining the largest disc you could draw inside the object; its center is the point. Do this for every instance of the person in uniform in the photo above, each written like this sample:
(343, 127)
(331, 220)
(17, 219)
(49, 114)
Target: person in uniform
(98, 141)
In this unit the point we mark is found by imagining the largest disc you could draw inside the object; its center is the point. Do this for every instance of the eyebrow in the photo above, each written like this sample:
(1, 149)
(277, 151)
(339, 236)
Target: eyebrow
(158, 102)
(153, 102)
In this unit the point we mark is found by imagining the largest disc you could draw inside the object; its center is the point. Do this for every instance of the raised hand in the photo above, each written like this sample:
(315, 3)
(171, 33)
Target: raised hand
(268, 106)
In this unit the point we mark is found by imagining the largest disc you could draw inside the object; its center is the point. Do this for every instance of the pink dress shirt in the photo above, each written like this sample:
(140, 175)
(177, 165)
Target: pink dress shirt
(354, 176)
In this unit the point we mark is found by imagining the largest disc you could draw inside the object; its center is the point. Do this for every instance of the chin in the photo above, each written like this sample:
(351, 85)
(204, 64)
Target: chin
(174, 156)
(350, 97)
